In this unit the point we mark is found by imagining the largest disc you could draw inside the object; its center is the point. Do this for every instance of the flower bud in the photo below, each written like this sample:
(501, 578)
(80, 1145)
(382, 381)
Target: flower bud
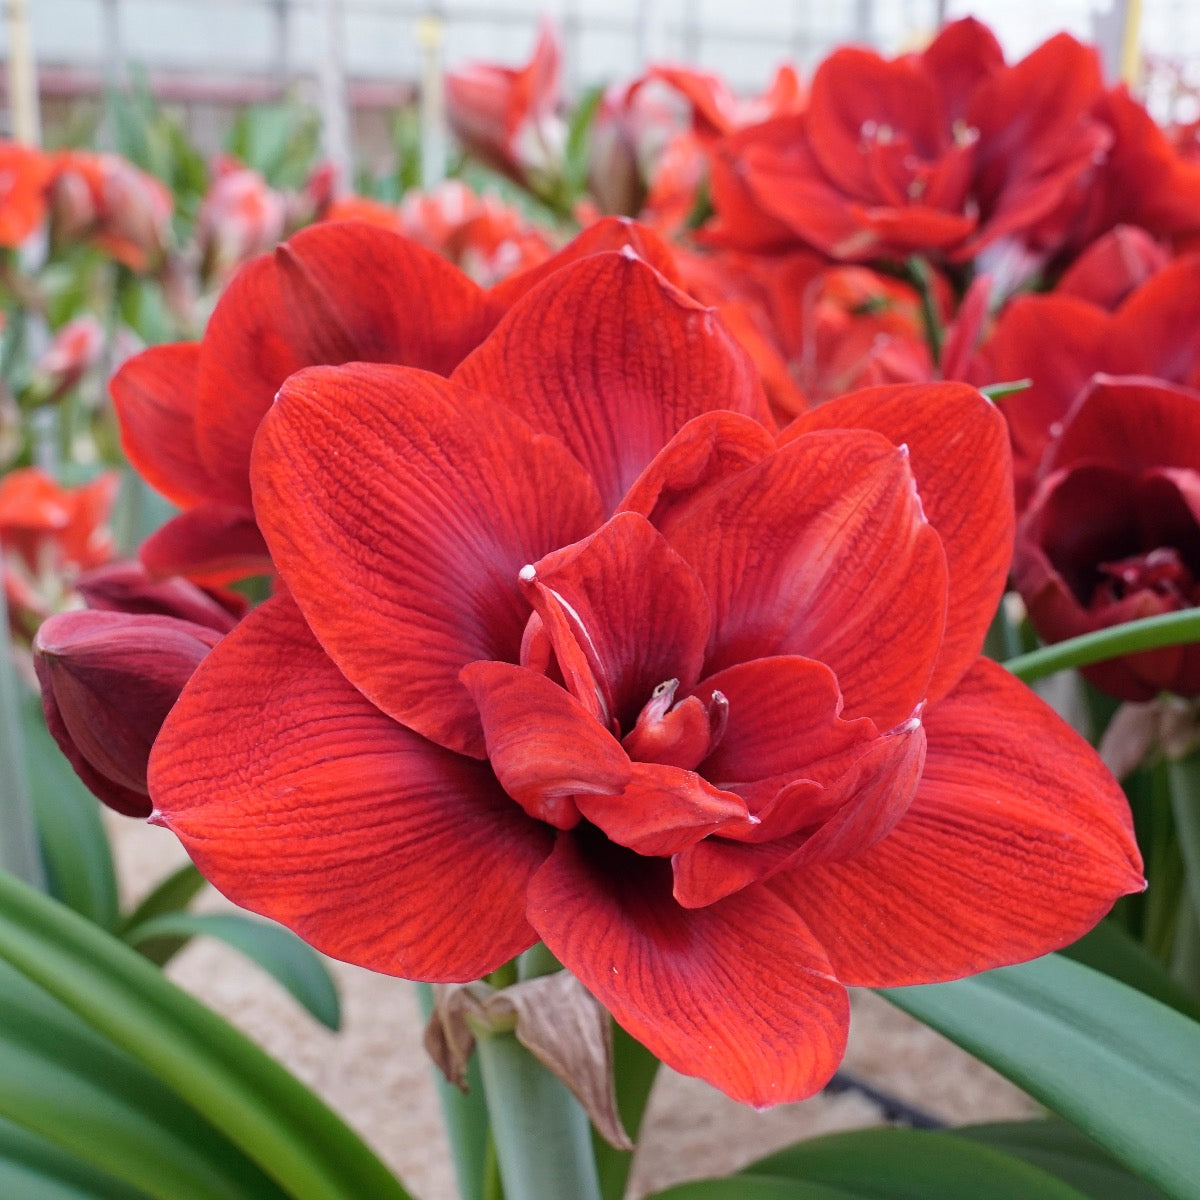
(128, 587)
(108, 681)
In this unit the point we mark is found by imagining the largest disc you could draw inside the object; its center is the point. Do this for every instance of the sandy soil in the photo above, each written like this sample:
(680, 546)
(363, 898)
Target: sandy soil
(375, 1073)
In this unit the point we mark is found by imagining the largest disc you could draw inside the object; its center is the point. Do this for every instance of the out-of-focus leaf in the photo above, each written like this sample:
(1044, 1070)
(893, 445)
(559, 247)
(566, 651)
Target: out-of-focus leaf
(75, 849)
(249, 1097)
(64, 1082)
(33, 1169)
(292, 963)
(1118, 1065)
(1056, 1147)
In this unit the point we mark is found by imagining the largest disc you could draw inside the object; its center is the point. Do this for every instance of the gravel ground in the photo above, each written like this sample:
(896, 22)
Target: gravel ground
(375, 1074)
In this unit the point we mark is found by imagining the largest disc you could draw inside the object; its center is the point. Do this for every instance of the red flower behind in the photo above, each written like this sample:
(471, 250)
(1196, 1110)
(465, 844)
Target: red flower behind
(572, 649)
(24, 174)
(337, 292)
(1112, 533)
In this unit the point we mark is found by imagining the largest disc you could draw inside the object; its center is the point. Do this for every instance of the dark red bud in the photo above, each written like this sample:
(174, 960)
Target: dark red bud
(129, 588)
(108, 680)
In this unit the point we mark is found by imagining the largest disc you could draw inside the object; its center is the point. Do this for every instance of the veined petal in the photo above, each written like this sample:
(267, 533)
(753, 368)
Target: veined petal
(609, 358)
(739, 993)
(211, 544)
(355, 292)
(155, 397)
(303, 802)
(544, 746)
(663, 810)
(400, 510)
(823, 551)
(958, 451)
(634, 609)
(1017, 842)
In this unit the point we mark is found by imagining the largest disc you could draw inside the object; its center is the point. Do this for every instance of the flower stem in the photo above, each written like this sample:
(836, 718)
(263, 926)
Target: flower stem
(543, 1138)
(1169, 629)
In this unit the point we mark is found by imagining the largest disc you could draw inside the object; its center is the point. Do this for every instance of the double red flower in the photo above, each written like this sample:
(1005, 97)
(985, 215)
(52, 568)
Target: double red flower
(572, 648)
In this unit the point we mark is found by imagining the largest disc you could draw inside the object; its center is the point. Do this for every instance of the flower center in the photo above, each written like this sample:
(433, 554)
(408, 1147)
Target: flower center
(676, 735)
(1160, 571)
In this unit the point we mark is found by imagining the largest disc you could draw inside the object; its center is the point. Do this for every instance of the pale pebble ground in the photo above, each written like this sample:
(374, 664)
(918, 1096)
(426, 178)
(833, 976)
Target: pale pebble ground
(375, 1074)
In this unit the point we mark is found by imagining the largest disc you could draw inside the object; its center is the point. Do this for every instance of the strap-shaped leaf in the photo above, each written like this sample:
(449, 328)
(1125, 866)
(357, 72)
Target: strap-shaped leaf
(276, 1121)
(61, 1080)
(33, 1169)
(1118, 1065)
(292, 963)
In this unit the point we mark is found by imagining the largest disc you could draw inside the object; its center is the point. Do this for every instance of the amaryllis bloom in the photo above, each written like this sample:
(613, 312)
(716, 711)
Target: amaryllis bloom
(108, 680)
(938, 152)
(108, 200)
(508, 117)
(1113, 266)
(333, 293)
(239, 217)
(571, 649)
(1112, 533)
(48, 535)
(1060, 341)
(24, 173)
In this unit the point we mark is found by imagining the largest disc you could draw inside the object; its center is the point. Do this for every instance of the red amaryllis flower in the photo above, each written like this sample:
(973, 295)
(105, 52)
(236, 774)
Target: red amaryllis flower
(1060, 342)
(239, 217)
(334, 293)
(943, 151)
(1113, 266)
(48, 534)
(724, 751)
(104, 198)
(1113, 531)
(24, 173)
(509, 117)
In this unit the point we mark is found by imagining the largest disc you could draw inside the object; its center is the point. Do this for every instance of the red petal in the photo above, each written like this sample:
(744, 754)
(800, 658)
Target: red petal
(822, 551)
(1133, 423)
(609, 233)
(958, 451)
(211, 544)
(739, 994)
(355, 292)
(663, 810)
(400, 510)
(705, 452)
(302, 802)
(544, 746)
(634, 609)
(155, 397)
(1018, 841)
(613, 361)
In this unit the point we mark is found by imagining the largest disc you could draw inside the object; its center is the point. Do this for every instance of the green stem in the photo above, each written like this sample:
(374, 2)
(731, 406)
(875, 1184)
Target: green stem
(922, 276)
(1150, 633)
(543, 1138)
(1185, 804)
(466, 1120)
(20, 853)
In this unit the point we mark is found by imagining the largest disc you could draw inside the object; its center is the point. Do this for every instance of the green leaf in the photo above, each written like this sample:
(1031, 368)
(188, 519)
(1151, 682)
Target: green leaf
(1118, 1065)
(1110, 949)
(33, 1169)
(276, 1121)
(753, 1187)
(1168, 629)
(635, 1069)
(75, 850)
(1056, 1147)
(290, 962)
(1184, 775)
(911, 1164)
(578, 130)
(62, 1081)
(171, 894)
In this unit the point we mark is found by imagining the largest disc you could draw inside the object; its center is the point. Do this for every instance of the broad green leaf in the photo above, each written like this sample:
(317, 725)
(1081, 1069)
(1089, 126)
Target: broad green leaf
(1056, 1147)
(754, 1187)
(911, 1164)
(635, 1069)
(33, 1169)
(171, 894)
(278, 1122)
(75, 850)
(1118, 1065)
(1110, 949)
(290, 962)
(61, 1080)
(1185, 802)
